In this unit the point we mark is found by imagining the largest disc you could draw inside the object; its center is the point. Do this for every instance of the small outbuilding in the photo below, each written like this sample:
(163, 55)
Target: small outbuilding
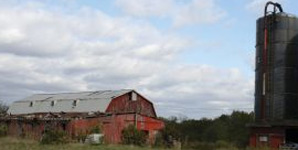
(79, 113)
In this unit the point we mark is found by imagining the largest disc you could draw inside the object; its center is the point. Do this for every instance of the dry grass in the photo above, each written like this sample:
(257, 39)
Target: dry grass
(8, 143)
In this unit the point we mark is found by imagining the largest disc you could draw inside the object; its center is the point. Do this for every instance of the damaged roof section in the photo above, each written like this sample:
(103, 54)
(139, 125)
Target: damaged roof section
(92, 101)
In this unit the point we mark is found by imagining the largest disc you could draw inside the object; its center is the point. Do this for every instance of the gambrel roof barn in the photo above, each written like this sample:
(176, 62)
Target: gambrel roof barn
(112, 110)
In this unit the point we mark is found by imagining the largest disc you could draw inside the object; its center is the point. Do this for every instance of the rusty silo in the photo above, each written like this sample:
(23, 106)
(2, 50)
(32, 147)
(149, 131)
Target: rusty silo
(276, 78)
(276, 84)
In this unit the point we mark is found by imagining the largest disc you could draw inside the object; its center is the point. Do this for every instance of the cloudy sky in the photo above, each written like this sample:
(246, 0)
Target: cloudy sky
(192, 58)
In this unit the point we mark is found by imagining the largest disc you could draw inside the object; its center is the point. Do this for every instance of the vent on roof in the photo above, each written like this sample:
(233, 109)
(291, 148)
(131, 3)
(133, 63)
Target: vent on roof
(31, 104)
(133, 96)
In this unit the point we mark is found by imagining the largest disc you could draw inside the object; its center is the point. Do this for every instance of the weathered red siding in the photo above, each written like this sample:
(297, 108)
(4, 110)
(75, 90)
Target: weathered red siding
(276, 137)
(111, 126)
(123, 104)
(114, 127)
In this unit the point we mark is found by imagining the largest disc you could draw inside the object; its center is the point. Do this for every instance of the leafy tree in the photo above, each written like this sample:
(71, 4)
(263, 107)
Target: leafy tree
(54, 137)
(169, 134)
(238, 131)
(3, 130)
(3, 108)
(229, 129)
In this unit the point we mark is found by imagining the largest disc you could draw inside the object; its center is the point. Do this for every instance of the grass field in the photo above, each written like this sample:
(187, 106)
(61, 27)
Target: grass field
(8, 143)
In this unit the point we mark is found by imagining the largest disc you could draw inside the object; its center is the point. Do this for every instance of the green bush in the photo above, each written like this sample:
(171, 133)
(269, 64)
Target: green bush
(167, 137)
(81, 137)
(96, 129)
(159, 141)
(54, 137)
(3, 108)
(3, 130)
(132, 136)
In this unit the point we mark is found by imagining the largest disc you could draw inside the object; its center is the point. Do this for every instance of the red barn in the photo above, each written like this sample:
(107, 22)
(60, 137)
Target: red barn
(79, 113)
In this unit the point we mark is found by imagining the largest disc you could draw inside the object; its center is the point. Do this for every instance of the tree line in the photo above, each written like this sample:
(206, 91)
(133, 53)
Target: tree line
(225, 129)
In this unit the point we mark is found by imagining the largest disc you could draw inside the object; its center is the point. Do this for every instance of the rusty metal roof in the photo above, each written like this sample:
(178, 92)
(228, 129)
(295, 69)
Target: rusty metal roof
(92, 101)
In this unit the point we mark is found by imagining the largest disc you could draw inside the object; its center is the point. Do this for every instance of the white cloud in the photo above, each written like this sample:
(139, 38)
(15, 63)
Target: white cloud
(146, 8)
(57, 48)
(181, 13)
(46, 51)
(190, 87)
(198, 12)
(10, 36)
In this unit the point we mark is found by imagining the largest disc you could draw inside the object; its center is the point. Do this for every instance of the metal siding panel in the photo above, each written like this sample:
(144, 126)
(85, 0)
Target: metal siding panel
(88, 101)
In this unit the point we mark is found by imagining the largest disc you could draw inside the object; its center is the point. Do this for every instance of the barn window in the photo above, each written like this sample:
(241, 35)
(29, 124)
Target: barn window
(133, 96)
(31, 104)
(258, 59)
(53, 103)
(263, 138)
(64, 126)
(75, 103)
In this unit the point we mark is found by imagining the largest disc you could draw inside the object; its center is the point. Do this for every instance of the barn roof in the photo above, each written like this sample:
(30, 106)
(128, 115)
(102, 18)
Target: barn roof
(92, 101)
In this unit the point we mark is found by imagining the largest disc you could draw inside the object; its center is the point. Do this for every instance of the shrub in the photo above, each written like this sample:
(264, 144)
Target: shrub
(159, 141)
(3, 108)
(132, 136)
(96, 129)
(54, 137)
(81, 137)
(3, 130)
(167, 137)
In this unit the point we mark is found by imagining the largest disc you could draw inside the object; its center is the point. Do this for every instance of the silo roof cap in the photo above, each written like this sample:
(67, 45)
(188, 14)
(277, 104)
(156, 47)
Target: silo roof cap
(283, 14)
